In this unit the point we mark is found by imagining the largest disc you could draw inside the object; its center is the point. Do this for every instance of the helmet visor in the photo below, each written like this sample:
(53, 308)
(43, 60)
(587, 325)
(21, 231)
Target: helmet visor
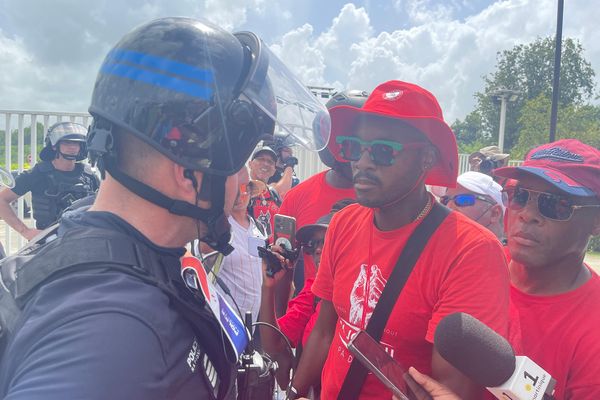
(299, 117)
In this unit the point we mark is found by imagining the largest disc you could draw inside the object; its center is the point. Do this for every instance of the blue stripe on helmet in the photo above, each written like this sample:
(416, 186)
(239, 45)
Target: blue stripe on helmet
(156, 79)
(160, 63)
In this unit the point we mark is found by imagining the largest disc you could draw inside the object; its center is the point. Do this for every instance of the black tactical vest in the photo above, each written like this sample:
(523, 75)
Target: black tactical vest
(95, 249)
(63, 189)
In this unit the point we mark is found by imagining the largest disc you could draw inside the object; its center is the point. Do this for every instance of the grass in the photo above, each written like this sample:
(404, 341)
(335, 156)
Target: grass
(593, 260)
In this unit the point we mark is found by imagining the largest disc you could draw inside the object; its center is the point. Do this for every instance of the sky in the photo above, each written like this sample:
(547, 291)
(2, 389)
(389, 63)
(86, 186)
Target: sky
(50, 50)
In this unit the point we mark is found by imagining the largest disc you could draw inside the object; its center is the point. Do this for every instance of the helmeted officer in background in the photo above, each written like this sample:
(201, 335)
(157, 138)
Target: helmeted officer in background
(56, 182)
(178, 107)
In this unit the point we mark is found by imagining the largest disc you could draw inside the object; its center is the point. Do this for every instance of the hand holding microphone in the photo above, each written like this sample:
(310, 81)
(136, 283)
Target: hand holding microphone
(489, 360)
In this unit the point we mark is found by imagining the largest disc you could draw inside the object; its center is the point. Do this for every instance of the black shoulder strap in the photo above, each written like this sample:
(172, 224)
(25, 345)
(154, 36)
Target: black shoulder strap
(357, 373)
(97, 248)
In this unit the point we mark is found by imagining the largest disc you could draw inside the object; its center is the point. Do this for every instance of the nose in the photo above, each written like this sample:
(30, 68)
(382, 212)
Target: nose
(530, 213)
(364, 162)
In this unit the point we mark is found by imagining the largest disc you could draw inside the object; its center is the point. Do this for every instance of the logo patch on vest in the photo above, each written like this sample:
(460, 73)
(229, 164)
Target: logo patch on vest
(557, 154)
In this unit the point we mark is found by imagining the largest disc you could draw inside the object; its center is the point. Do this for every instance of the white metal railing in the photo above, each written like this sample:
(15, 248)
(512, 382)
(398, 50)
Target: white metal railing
(18, 120)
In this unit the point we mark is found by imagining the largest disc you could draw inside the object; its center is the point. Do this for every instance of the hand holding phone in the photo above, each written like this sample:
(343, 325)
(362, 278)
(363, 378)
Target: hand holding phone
(372, 355)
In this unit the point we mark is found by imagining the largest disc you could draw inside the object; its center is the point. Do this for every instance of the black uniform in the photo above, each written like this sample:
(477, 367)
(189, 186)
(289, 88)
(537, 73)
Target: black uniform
(52, 190)
(113, 335)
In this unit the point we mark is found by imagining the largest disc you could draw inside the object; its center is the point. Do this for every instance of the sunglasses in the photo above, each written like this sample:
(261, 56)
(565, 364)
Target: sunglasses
(382, 152)
(464, 199)
(551, 206)
(312, 245)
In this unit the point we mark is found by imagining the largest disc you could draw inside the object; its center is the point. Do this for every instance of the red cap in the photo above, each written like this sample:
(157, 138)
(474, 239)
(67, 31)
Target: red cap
(567, 164)
(415, 106)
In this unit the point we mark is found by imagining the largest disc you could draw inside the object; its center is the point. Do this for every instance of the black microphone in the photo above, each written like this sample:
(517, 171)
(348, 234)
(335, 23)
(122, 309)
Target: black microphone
(489, 360)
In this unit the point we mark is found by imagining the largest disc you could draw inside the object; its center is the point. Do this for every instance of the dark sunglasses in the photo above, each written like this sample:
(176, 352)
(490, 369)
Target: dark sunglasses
(551, 206)
(382, 152)
(464, 199)
(312, 245)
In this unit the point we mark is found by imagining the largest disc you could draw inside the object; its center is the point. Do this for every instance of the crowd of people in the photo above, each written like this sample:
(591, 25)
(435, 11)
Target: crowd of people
(187, 135)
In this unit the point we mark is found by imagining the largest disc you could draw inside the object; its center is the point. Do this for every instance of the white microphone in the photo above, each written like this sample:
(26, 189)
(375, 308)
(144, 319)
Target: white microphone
(489, 360)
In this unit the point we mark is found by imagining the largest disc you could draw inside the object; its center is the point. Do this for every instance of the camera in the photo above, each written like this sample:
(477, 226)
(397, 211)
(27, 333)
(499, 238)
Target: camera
(290, 162)
(487, 166)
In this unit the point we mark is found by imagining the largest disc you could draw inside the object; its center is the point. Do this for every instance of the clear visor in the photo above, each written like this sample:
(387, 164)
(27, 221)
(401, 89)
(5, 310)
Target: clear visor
(67, 130)
(299, 117)
(6, 179)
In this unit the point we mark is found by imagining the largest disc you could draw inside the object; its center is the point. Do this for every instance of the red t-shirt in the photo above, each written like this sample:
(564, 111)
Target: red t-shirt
(264, 208)
(301, 316)
(461, 269)
(309, 201)
(561, 334)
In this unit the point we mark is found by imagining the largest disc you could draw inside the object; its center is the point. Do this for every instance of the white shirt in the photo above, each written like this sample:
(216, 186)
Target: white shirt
(242, 272)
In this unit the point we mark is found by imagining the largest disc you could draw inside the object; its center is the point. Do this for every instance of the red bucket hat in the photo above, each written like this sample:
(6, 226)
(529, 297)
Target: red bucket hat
(415, 106)
(567, 164)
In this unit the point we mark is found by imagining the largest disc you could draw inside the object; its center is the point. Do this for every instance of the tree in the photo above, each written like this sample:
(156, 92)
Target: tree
(577, 121)
(528, 68)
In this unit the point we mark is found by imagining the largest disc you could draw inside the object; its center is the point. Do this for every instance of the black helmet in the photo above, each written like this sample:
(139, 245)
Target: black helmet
(64, 131)
(353, 98)
(201, 96)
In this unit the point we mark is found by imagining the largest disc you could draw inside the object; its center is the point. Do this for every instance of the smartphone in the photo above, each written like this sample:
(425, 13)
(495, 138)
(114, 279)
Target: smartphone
(373, 356)
(284, 231)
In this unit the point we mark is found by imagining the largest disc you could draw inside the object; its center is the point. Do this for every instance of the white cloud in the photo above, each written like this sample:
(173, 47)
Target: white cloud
(443, 54)
(49, 54)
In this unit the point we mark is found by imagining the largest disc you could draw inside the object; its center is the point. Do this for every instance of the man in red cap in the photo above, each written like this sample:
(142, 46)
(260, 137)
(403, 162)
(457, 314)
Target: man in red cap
(553, 211)
(396, 143)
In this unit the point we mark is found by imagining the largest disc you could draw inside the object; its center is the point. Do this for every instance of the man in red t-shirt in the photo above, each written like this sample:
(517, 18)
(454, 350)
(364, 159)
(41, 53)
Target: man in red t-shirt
(302, 311)
(315, 196)
(552, 212)
(397, 143)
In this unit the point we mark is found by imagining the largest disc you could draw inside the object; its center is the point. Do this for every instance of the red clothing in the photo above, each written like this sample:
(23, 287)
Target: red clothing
(263, 208)
(308, 202)
(561, 334)
(462, 268)
(301, 316)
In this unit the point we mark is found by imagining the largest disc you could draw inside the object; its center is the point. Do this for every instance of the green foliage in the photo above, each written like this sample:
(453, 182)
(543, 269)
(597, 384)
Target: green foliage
(528, 69)
(594, 244)
(575, 121)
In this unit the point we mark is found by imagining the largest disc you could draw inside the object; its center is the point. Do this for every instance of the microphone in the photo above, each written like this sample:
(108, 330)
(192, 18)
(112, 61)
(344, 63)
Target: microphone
(489, 360)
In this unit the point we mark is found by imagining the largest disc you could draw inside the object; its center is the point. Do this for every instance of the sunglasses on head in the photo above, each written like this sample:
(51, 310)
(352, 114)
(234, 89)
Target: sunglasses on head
(312, 245)
(551, 206)
(464, 199)
(382, 152)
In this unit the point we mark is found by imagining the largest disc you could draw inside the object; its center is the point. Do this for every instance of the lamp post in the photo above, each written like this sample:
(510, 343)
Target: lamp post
(503, 95)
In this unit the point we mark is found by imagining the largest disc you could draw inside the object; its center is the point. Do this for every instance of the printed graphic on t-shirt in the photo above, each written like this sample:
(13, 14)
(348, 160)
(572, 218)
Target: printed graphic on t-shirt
(264, 218)
(365, 293)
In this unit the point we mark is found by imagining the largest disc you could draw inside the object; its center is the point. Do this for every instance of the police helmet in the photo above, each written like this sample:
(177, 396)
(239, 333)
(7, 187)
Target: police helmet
(353, 98)
(64, 131)
(201, 96)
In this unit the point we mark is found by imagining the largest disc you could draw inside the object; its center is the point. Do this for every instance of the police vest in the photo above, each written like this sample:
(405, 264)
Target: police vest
(63, 189)
(89, 248)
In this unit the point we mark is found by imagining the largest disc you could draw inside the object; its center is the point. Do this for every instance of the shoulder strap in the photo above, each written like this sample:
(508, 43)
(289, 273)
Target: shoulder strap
(357, 373)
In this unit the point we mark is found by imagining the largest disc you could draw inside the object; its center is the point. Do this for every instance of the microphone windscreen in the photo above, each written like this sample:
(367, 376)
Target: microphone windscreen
(475, 349)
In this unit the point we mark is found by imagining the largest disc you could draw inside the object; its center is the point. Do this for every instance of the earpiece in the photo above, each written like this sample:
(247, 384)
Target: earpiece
(189, 174)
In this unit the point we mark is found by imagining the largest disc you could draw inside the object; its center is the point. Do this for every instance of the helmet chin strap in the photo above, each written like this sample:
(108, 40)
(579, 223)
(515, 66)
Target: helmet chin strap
(218, 228)
(70, 157)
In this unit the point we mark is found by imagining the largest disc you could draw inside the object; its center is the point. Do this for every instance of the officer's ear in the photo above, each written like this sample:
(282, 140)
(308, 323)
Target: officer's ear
(496, 213)
(188, 180)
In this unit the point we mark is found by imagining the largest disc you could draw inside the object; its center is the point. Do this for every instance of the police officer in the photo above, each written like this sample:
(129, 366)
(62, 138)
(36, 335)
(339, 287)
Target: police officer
(55, 182)
(178, 107)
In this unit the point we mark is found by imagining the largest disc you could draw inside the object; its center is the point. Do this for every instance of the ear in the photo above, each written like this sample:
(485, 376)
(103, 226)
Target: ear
(186, 180)
(429, 157)
(596, 225)
(496, 213)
